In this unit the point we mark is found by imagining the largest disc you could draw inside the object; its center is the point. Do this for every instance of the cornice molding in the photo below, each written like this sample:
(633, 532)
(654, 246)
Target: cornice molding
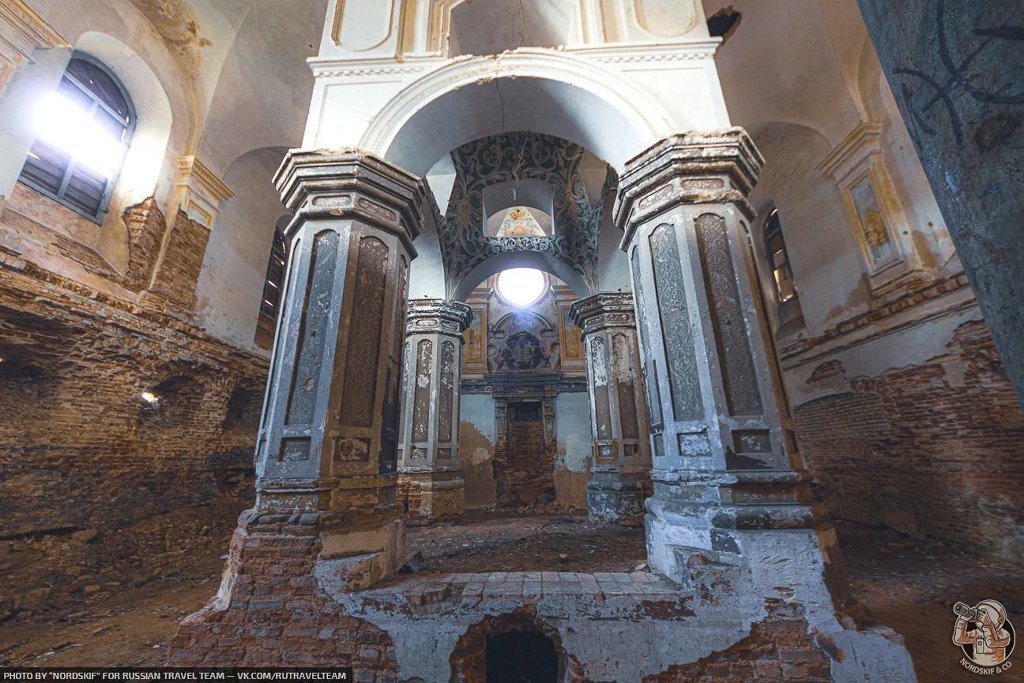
(861, 143)
(349, 183)
(646, 53)
(437, 316)
(603, 310)
(708, 167)
(205, 180)
(28, 30)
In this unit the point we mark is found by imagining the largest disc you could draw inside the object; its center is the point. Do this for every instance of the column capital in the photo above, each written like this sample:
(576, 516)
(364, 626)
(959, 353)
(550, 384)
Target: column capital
(437, 315)
(604, 310)
(349, 183)
(687, 168)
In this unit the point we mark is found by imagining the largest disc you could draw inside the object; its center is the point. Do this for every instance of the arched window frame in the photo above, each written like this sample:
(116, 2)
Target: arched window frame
(72, 166)
(778, 259)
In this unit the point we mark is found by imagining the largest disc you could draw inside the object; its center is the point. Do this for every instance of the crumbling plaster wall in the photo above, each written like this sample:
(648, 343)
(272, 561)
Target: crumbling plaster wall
(478, 437)
(899, 395)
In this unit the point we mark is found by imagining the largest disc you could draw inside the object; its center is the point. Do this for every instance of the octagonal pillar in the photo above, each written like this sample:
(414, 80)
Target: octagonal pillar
(430, 484)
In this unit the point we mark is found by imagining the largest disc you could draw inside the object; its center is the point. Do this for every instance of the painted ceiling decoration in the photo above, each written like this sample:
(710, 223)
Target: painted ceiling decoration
(520, 156)
(519, 222)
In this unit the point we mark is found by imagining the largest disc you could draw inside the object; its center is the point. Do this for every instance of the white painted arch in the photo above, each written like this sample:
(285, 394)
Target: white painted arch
(558, 94)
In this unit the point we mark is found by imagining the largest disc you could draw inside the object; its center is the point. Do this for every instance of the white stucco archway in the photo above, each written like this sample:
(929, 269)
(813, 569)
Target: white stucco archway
(569, 97)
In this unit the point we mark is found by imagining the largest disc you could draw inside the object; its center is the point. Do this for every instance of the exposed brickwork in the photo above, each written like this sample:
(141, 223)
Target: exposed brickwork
(524, 464)
(777, 649)
(146, 227)
(178, 271)
(272, 612)
(935, 449)
(98, 489)
(410, 494)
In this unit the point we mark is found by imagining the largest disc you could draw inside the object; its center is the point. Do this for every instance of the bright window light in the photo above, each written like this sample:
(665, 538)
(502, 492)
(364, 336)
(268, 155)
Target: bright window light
(70, 128)
(521, 286)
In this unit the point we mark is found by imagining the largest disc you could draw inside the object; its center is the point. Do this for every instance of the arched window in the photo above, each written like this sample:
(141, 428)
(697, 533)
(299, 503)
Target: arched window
(82, 134)
(270, 304)
(778, 259)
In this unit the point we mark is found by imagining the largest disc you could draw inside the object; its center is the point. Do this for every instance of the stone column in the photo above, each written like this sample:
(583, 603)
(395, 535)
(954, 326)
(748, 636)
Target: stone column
(429, 483)
(954, 69)
(723, 450)
(618, 418)
(328, 441)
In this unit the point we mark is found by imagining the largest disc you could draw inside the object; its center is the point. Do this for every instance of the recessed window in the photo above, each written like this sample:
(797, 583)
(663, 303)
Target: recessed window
(521, 287)
(273, 283)
(778, 259)
(82, 133)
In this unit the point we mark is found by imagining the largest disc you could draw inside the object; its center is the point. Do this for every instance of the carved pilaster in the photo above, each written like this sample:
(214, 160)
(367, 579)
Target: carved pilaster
(328, 440)
(723, 450)
(618, 417)
(430, 485)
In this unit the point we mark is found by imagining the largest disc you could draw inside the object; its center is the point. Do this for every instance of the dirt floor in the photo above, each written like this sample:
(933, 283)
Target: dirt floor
(908, 585)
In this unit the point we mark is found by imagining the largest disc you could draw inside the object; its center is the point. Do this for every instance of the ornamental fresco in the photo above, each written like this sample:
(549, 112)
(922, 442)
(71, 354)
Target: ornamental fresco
(520, 156)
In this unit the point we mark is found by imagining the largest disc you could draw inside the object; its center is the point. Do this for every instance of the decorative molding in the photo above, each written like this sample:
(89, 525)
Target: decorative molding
(855, 161)
(604, 310)
(633, 103)
(712, 167)
(203, 190)
(856, 148)
(437, 316)
(309, 177)
(22, 30)
(518, 385)
(944, 297)
(645, 53)
(361, 68)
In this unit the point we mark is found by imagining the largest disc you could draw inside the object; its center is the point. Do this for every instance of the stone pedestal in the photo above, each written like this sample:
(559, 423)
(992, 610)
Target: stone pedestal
(724, 455)
(430, 485)
(622, 457)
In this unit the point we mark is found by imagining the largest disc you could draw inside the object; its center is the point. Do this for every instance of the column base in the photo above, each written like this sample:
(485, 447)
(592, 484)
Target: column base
(431, 497)
(616, 497)
(273, 609)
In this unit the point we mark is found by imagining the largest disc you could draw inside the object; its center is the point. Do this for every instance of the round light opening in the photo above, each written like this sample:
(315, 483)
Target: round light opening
(521, 286)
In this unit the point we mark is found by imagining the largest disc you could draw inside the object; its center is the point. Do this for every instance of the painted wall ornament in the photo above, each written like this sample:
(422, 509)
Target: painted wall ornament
(512, 157)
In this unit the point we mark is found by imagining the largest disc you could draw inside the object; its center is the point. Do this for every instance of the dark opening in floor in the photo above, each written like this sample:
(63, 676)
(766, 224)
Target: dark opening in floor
(521, 657)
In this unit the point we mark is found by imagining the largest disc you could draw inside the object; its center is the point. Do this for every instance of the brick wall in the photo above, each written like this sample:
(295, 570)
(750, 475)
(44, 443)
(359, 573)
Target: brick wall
(146, 227)
(524, 462)
(935, 449)
(98, 488)
(178, 272)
